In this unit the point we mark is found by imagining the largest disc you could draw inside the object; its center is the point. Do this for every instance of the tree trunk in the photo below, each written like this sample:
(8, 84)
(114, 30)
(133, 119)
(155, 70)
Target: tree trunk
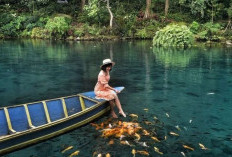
(166, 7)
(148, 9)
(82, 5)
(212, 14)
(111, 14)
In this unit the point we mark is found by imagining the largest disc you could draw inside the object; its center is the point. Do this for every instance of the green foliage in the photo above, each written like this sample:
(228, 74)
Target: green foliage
(57, 27)
(141, 33)
(79, 32)
(25, 33)
(125, 25)
(19, 18)
(92, 8)
(229, 11)
(194, 27)
(198, 6)
(92, 30)
(209, 31)
(173, 35)
(5, 18)
(95, 12)
(12, 29)
(41, 33)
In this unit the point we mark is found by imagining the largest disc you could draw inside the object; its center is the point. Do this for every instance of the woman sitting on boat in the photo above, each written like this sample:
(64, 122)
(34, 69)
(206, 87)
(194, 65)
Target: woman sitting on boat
(102, 89)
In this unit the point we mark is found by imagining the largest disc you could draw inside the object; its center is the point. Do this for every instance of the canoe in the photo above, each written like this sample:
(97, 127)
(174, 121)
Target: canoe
(26, 124)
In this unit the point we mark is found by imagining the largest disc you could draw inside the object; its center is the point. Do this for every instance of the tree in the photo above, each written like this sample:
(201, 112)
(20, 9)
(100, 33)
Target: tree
(82, 5)
(229, 13)
(198, 6)
(148, 9)
(110, 12)
(214, 8)
(166, 7)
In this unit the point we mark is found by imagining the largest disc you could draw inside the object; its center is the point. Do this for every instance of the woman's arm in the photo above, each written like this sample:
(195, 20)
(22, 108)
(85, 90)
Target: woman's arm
(111, 88)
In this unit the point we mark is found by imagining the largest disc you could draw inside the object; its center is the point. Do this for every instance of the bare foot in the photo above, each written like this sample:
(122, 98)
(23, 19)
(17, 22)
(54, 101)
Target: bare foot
(114, 115)
(122, 113)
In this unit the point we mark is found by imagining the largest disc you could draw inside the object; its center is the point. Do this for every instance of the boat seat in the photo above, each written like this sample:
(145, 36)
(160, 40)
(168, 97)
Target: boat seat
(37, 114)
(18, 119)
(73, 105)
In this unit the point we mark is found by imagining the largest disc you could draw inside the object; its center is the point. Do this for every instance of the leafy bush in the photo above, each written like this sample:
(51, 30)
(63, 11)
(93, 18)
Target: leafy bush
(92, 30)
(25, 33)
(141, 33)
(5, 18)
(38, 32)
(57, 27)
(79, 32)
(125, 25)
(95, 12)
(173, 35)
(13, 28)
(194, 27)
(1, 36)
(209, 31)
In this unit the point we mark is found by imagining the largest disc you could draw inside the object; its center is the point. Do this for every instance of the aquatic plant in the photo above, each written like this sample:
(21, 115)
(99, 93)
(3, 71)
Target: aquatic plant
(173, 35)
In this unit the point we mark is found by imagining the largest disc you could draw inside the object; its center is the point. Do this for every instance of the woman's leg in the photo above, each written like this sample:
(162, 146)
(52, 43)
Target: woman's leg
(118, 104)
(112, 109)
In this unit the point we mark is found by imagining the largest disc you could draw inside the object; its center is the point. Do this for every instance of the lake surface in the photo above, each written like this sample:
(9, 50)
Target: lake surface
(189, 91)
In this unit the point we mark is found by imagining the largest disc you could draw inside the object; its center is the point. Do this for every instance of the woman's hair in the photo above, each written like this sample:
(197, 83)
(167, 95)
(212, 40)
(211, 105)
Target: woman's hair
(104, 67)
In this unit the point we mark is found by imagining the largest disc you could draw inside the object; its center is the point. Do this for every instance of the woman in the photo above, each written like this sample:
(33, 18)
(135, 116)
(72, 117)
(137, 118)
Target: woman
(102, 89)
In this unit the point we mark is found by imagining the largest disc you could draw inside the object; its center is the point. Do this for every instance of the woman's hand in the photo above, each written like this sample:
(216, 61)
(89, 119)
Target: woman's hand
(116, 91)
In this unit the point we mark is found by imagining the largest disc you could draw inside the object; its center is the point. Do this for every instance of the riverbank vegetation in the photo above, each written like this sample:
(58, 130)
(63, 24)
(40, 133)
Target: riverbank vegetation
(208, 20)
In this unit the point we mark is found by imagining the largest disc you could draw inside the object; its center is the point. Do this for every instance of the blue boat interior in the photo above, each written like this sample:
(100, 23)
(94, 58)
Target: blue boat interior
(18, 118)
(23, 117)
(37, 112)
(3, 123)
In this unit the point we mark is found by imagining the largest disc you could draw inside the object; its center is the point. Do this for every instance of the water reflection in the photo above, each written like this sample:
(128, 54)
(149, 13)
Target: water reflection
(174, 57)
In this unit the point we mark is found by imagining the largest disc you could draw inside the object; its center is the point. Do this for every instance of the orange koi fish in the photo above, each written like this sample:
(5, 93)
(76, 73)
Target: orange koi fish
(66, 149)
(174, 134)
(146, 109)
(155, 139)
(202, 146)
(133, 116)
(147, 122)
(146, 133)
(111, 142)
(74, 153)
(188, 147)
(108, 155)
(99, 155)
(125, 143)
(158, 151)
(143, 152)
(137, 136)
(133, 152)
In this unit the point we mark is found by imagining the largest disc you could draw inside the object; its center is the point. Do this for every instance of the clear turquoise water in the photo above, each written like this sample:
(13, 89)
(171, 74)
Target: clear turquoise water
(193, 86)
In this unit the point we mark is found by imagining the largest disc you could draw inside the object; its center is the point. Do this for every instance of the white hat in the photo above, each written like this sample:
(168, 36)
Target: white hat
(107, 61)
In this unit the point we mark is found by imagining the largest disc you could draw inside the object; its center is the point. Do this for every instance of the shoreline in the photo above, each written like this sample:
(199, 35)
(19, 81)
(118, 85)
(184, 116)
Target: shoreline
(224, 42)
